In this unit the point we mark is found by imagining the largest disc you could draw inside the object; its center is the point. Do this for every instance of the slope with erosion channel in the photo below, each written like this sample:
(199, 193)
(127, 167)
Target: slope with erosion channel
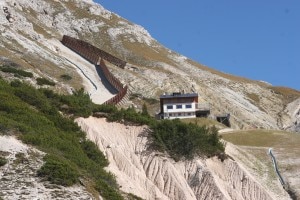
(153, 175)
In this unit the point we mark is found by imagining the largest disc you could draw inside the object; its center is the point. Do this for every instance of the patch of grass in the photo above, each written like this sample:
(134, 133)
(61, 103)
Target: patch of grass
(261, 138)
(16, 72)
(152, 104)
(59, 171)
(134, 95)
(20, 158)
(79, 13)
(224, 75)
(151, 101)
(203, 122)
(288, 94)
(3, 161)
(146, 99)
(66, 77)
(143, 55)
(254, 97)
(131, 196)
(130, 115)
(44, 81)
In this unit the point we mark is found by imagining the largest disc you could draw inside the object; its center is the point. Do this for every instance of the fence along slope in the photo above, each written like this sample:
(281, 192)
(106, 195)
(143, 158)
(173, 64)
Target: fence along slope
(96, 56)
(90, 52)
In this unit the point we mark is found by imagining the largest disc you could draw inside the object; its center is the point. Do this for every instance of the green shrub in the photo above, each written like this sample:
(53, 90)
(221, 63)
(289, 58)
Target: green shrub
(16, 83)
(16, 72)
(3, 161)
(131, 196)
(58, 171)
(131, 116)
(93, 153)
(106, 191)
(79, 103)
(182, 140)
(44, 81)
(66, 77)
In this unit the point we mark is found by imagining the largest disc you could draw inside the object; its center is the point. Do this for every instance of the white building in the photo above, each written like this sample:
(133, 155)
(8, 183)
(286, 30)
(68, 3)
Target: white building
(179, 105)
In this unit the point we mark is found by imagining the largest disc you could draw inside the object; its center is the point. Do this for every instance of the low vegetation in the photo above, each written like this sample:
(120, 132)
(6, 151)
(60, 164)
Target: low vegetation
(44, 81)
(66, 77)
(151, 103)
(182, 140)
(59, 171)
(17, 72)
(203, 121)
(45, 119)
(3, 161)
(288, 94)
(34, 116)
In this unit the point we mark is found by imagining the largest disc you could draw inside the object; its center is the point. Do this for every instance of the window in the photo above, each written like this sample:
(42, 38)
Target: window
(188, 106)
(170, 107)
(189, 114)
(179, 114)
(178, 106)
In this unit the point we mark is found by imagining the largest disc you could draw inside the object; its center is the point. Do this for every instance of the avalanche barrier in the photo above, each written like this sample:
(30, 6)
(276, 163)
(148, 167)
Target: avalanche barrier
(97, 56)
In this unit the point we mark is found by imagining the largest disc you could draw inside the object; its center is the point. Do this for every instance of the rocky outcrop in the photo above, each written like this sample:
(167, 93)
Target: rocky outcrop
(18, 177)
(153, 175)
(293, 121)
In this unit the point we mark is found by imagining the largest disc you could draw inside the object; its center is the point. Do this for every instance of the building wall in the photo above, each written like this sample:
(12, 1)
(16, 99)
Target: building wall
(179, 110)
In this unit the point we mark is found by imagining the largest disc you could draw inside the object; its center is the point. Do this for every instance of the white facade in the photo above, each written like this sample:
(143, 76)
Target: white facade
(179, 110)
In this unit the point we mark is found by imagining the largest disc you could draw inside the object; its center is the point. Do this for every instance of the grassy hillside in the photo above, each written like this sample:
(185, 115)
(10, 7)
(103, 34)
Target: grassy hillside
(33, 115)
(264, 138)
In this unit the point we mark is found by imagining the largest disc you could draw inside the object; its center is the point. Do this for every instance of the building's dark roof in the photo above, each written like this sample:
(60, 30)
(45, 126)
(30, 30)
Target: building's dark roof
(178, 94)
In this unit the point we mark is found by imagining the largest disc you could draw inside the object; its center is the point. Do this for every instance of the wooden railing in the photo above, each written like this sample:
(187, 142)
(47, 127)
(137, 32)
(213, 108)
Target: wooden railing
(122, 91)
(96, 56)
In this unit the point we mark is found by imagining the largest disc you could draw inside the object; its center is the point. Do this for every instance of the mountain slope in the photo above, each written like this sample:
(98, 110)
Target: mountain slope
(28, 29)
(30, 32)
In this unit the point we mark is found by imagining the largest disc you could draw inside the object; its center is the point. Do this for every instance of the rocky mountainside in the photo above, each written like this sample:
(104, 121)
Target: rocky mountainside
(31, 31)
(18, 176)
(30, 35)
